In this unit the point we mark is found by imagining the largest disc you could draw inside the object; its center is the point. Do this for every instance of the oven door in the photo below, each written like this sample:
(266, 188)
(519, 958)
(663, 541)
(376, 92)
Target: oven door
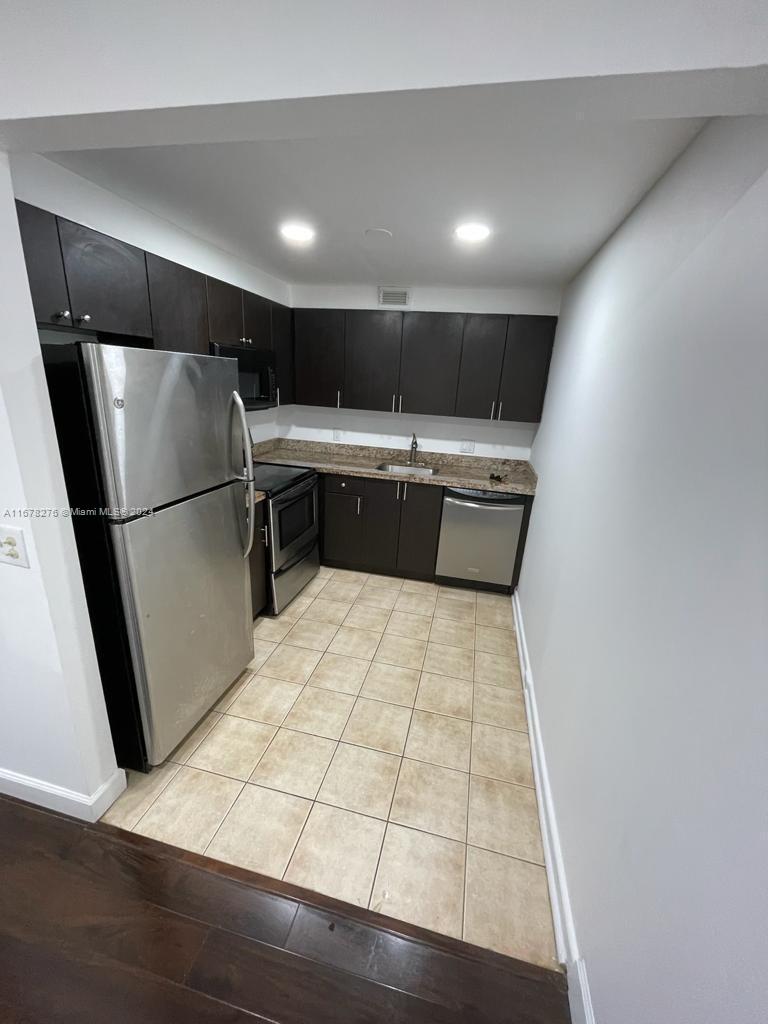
(293, 522)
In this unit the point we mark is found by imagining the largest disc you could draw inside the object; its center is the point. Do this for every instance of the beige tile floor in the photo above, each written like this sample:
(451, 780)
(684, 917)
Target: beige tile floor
(376, 750)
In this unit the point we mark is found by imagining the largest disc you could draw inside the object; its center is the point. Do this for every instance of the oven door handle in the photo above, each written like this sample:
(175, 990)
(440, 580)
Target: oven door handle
(295, 492)
(247, 477)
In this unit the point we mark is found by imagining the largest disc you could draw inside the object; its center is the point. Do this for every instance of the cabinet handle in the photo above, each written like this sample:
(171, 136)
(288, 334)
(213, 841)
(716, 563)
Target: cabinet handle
(358, 506)
(400, 406)
(266, 536)
(493, 407)
(63, 315)
(405, 490)
(498, 417)
(397, 496)
(278, 398)
(338, 399)
(84, 319)
(393, 403)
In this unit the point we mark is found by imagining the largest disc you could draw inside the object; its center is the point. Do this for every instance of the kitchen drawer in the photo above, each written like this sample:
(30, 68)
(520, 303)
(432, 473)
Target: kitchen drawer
(344, 484)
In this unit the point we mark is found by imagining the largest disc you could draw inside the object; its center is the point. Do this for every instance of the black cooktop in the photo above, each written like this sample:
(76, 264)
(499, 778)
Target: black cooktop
(274, 479)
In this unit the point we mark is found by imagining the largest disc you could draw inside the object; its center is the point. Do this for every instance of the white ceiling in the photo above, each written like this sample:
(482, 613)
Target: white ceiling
(552, 192)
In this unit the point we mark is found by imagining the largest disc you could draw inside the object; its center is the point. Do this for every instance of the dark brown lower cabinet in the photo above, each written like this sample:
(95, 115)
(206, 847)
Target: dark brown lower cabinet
(384, 526)
(421, 507)
(343, 530)
(258, 563)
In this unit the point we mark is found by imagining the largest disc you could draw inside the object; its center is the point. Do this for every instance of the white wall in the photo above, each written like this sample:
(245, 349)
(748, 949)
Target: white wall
(55, 745)
(540, 300)
(42, 183)
(384, 430)
(48, 185)
(61, 58)
(644, 595)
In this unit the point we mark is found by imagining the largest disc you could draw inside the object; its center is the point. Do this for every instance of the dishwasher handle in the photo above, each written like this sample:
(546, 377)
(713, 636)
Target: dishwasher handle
(486, 507)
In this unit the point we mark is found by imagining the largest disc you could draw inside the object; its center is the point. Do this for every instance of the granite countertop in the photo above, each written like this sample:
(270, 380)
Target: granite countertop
(517, 476)
(258, 496)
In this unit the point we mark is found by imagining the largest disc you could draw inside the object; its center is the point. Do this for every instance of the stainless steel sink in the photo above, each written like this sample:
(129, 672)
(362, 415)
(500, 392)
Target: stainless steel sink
(417, 469)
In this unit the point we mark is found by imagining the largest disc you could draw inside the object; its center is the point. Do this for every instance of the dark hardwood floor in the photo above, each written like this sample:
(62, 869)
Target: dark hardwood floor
(100, 925)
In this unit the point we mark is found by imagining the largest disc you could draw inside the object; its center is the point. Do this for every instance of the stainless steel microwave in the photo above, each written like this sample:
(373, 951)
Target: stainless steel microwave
(256, 374)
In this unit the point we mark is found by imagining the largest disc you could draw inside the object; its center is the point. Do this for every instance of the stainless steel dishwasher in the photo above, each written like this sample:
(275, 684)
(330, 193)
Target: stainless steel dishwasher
(479, 535)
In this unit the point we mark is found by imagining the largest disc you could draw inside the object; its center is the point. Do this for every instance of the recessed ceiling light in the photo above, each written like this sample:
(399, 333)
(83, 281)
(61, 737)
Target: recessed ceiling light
(296, 231)
(472, 232)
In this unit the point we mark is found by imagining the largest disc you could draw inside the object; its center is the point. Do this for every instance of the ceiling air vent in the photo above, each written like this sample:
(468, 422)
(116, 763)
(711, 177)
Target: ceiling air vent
(393, 297)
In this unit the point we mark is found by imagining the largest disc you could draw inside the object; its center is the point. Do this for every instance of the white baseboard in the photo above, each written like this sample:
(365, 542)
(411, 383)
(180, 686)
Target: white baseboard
(562, 914)
(67, 801)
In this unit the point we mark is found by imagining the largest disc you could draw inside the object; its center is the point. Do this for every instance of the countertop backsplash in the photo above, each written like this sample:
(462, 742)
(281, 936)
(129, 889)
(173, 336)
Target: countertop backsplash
(435, 434)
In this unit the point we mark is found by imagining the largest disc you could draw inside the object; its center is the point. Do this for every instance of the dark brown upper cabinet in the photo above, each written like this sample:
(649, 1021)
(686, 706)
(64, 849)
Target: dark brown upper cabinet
(482, 356)
(257, 326)
(282, 345)
(372, 359)
(421, 508)
(526, 365)
(179, 307)
(225, 312)
(107, 281)
(45, 266)
(429, 366)
(319, 354)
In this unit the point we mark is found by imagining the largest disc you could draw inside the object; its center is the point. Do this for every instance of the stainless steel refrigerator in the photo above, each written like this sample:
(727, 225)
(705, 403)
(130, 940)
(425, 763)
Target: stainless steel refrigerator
(172, 458)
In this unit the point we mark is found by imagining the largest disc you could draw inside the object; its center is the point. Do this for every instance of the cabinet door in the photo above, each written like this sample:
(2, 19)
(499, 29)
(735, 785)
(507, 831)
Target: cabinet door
(382, 524)
(257, 328)
(282, 346)
(45, 266)
(526, 365)
(179, 312)
(372, 359)
(107, 281)
(482, 355)
(258, 563)
(343, 533)
(225, 312)
(420, 512)
(429, 367)
(319, 354)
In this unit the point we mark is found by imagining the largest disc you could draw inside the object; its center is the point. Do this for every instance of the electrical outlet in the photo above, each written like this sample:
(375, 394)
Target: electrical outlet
(467, 447)
(336, 435)
(13, 549)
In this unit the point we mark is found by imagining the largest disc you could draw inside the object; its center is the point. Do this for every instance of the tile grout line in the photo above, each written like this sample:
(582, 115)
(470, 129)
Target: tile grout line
(314, 799)
(357, 698)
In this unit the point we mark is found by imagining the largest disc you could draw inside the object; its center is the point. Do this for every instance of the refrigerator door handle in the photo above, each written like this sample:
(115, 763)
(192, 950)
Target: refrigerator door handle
(247, 478)
(247, 452)
(251, 517)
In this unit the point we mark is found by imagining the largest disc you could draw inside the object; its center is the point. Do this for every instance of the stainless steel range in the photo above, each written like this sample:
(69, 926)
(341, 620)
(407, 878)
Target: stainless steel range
(293, 532)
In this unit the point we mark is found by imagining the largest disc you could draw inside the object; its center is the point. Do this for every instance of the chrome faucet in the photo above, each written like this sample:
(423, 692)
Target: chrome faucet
(414, 449)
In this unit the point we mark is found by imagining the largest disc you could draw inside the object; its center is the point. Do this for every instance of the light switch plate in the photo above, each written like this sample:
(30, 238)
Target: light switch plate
(467, 447)
(13, 548)
(336, 435)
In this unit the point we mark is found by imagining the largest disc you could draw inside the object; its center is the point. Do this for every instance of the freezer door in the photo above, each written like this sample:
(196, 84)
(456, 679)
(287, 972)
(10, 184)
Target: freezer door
(186, 592)
(166, 426)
